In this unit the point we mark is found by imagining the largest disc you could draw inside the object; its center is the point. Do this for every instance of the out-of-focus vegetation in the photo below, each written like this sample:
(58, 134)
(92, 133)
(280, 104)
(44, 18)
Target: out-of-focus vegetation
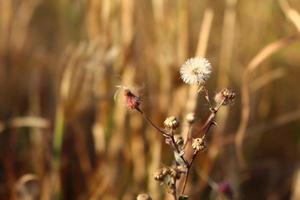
(63, 134)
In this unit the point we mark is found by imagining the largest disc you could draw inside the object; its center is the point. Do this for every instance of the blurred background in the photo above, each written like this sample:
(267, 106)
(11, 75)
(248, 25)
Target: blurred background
(65, 134)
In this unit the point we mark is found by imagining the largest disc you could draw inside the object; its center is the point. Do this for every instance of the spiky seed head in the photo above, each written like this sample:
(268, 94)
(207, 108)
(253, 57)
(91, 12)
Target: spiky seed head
(198, 144)
(160, 174)
(224, 97)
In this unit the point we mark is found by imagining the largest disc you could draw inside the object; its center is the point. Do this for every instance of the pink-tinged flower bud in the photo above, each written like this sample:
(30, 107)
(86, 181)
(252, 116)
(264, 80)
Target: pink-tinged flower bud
(225, 189)
(132, 101)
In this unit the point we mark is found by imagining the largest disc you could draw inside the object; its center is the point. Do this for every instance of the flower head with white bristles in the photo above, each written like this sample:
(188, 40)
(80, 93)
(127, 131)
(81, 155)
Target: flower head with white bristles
(195, 71)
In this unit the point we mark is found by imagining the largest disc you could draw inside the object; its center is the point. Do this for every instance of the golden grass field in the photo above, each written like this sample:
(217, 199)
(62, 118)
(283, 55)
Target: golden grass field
(65, 131)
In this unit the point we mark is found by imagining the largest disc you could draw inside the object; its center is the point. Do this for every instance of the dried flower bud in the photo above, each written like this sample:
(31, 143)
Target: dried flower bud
(179, 140)
(198, 144)
(160, 174)
(225, 97)
(132, 101)
(190, 118)
(174, 173)
(143, 197)
(164, 171)
(171, 123)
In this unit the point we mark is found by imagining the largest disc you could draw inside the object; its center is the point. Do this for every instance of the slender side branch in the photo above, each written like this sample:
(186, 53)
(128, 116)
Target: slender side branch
(152, 124)
(164, 133)
(207, 96)
(188, 172)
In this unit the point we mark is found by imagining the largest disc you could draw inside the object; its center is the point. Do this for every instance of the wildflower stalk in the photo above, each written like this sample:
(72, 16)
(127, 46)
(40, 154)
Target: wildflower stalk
(194, 71)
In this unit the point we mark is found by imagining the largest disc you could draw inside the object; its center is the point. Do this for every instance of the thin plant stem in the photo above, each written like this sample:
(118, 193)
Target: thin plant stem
(188, 135)
(58, 137)
(174, 193)
(207, 96)
(177, 150)
(152, 124)
(219, 105)
(188, 172)
(57, 148)
(165, 134)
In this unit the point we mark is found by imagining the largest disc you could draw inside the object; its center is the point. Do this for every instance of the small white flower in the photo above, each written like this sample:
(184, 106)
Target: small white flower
(195, 71)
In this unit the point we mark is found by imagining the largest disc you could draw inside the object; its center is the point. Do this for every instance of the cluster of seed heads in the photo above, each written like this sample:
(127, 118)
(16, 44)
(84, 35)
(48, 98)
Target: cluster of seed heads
(167, 176)
(162, 173)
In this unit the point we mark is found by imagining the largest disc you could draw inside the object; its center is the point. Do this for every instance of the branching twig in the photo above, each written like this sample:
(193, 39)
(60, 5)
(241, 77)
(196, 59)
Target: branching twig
(164, 133)
(205, 128)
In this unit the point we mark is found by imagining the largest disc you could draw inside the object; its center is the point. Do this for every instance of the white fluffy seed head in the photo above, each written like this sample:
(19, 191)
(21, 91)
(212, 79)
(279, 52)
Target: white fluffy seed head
(195, 71)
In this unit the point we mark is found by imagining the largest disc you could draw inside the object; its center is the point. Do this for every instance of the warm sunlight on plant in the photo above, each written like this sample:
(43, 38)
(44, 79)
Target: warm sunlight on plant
(158, 99)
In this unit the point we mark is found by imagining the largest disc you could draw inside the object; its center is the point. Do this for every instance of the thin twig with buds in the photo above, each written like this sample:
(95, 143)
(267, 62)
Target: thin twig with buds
(194, 71)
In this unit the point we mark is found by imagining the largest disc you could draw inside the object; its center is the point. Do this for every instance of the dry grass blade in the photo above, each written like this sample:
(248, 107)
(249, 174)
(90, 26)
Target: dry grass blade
(29, 121)
(265, 53)
(296, 192)
(290, 13)
(264, 127)
(35, 122)
(267, 78)
(60, 64)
